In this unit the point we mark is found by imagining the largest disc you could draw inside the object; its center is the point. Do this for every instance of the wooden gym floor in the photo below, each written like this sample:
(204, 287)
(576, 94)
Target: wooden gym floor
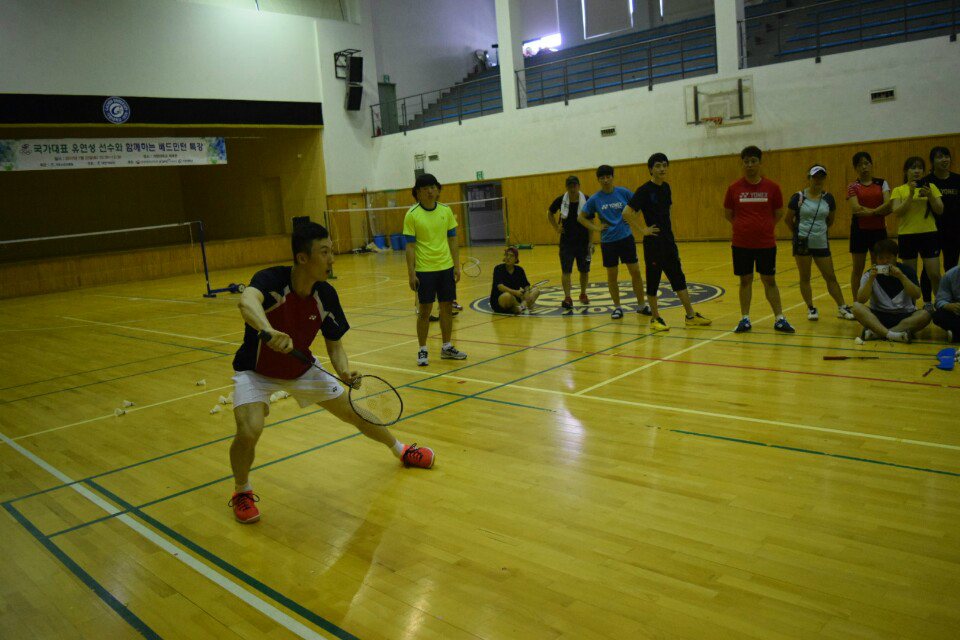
(592, 480)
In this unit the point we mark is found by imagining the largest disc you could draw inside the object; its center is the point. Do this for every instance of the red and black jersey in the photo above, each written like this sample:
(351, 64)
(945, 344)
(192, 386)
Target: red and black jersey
(300, 318)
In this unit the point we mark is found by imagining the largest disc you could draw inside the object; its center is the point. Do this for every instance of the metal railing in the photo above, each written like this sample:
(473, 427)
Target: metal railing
(835, 26)
(460, 102)
(644, 63)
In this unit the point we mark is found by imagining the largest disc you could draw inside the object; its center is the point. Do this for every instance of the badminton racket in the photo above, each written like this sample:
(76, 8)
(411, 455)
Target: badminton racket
(471, 267)
(371, 397)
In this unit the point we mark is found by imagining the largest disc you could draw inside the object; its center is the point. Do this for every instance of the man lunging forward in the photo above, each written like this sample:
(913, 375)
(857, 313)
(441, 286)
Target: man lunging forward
(293, 304)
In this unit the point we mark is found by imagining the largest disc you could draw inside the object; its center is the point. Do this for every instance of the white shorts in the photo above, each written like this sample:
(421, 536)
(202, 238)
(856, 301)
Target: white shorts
(312, 387)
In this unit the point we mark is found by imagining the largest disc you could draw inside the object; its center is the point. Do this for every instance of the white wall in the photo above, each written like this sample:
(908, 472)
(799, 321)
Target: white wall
(173, 49)
(429, 44)
(155, 49)
(797, 104)
(348, 143)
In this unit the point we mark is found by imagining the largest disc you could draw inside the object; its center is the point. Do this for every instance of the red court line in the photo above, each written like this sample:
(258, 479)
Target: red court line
(692, 362)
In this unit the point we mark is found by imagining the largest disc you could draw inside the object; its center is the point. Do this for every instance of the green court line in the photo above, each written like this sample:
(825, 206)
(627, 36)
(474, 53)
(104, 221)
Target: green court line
(666, 335)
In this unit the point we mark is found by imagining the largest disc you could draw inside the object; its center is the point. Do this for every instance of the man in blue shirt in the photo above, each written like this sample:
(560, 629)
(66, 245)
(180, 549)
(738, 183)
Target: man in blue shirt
(616, 239)
(947, 315)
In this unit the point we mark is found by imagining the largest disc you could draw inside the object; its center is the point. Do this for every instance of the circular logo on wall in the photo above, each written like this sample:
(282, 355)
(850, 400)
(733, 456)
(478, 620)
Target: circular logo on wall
(548, 304)
(116, 110)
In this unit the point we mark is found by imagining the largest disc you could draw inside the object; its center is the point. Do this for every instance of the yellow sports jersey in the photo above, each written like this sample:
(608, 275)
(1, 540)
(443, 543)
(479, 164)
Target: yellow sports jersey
(429, 230)
(917, 219)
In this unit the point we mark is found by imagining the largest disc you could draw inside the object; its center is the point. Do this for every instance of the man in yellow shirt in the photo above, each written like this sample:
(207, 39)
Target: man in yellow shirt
(433, 263)
(915, 203)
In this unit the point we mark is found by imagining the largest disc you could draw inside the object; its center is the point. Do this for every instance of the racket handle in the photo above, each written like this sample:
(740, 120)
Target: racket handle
(834, 357)
(266, 337)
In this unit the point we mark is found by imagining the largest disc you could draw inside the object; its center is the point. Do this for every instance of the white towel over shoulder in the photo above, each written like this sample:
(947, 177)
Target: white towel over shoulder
(565, 205)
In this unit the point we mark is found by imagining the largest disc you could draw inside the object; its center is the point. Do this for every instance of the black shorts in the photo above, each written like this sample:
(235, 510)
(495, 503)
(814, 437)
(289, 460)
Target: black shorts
(926, 244)
(862, 240)
(436, 285)
(495, 305)
(744, 259)
(579, 253)
(815, 253)
(663, 259)
(891, 319)
(623, 250)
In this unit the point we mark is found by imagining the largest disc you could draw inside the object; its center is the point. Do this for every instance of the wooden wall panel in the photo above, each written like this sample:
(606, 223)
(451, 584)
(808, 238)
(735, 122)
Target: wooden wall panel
(699, 185)
(227, 198)
(61, 274)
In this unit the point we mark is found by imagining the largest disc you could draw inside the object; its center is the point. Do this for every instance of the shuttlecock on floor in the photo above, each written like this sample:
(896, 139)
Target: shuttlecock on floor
(118, 412)
(223, 400)
(127, 404)
(230, 398)
(858, 340)
(216, 409)
(201, 383)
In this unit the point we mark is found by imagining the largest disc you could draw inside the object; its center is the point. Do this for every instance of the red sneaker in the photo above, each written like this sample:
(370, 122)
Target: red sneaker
(584, 299)
(244, 509)
(414, 456)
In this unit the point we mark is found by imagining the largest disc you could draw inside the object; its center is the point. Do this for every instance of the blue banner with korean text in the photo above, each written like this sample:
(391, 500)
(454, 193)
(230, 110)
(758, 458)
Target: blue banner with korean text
(99, 153)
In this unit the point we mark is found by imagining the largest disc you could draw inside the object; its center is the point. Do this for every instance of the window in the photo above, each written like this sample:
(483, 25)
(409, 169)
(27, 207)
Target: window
(602, 17)
(533, 47)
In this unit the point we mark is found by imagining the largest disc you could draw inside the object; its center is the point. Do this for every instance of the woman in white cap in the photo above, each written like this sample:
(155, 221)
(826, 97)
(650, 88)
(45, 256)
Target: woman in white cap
(811, 212)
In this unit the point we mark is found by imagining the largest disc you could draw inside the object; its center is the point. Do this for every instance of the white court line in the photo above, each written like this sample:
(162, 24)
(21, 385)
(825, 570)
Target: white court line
(104, 295)
(281, 618)
(674, 409)
(130, 410)
(683, 351)
(164, 333)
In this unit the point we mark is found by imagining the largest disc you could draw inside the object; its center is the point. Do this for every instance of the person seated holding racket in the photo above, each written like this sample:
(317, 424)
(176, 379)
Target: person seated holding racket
(892, 289)
(293, 304)
(511, 291)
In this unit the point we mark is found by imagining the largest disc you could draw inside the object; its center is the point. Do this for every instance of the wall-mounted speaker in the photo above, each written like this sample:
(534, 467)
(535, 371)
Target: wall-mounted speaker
(355, 70)
(354, 96)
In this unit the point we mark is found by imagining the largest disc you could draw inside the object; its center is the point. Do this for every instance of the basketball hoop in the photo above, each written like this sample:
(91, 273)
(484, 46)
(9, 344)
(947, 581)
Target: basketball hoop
(712, 122)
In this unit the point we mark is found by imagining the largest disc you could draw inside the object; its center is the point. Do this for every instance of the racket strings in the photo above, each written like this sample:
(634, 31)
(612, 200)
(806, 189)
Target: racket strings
(376, 401)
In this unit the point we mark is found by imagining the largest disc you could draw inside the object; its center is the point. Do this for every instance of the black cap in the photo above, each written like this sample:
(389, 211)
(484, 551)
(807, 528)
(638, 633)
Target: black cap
(572, 180)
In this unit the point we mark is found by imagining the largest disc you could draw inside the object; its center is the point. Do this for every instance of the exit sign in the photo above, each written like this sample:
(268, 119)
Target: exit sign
(479, 175)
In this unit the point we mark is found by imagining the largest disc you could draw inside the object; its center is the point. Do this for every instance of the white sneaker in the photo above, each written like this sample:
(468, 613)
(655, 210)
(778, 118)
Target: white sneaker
(452, 353)
(422, 360)
(845, 312)
(813, 314)
(868, 335)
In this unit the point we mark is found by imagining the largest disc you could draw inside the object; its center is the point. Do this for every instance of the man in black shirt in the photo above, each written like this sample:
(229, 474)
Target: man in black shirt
(574, 239)
(948, 223)
(660, 253)
(293, 304)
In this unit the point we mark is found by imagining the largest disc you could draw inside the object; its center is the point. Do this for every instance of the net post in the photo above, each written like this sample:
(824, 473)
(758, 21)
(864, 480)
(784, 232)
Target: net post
(506, 222)
(326, 223)
(203, 253)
